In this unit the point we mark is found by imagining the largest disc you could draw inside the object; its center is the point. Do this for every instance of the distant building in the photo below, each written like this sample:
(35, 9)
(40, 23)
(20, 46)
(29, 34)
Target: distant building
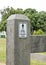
(2, 34)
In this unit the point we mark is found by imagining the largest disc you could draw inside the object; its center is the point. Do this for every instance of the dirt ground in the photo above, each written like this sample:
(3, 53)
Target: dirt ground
(2, 64)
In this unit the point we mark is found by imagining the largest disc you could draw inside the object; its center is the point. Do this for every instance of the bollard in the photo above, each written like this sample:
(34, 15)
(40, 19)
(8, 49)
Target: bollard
(18, 40)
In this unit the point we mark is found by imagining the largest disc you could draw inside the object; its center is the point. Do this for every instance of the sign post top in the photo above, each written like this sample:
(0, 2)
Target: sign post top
(18, 16)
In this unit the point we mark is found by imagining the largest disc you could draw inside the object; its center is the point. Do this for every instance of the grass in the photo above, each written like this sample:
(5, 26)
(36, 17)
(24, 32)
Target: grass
(2, 50)
(43, 53)
(36, 62)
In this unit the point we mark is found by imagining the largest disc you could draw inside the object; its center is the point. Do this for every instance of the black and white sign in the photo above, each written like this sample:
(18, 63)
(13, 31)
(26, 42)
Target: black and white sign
(22, 30)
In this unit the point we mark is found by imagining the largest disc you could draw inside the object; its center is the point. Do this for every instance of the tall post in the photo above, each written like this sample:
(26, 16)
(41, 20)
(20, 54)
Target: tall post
(18, 40)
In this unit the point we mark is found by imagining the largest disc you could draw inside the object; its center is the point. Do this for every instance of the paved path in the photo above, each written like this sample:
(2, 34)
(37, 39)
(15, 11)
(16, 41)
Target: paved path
(36, 56)
(2, 64)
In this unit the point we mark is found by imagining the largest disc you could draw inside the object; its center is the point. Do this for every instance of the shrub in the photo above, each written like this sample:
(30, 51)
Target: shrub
(38, 32)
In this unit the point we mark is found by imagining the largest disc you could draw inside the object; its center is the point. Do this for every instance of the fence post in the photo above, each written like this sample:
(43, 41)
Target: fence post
(18, 40)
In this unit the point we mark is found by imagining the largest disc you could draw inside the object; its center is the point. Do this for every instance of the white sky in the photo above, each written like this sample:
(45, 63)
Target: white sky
(39, 5)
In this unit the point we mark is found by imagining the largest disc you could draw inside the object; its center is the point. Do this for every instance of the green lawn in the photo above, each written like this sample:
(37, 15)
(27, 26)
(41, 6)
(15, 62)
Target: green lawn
(2, 50)
(43, 53)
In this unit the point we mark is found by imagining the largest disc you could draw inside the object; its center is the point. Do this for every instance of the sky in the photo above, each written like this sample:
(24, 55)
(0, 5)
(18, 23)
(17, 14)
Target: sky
(39, 5)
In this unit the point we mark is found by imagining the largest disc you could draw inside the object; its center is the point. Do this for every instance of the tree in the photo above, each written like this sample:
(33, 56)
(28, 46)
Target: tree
(37, 19)
(6, 13)
(9, 11)
(3, 26)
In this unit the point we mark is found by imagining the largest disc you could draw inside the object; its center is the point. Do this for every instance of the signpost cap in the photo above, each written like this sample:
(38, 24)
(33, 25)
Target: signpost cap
(18, 16)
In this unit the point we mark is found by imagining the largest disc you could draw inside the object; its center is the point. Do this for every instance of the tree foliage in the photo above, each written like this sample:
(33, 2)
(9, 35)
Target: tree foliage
(37, 19)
